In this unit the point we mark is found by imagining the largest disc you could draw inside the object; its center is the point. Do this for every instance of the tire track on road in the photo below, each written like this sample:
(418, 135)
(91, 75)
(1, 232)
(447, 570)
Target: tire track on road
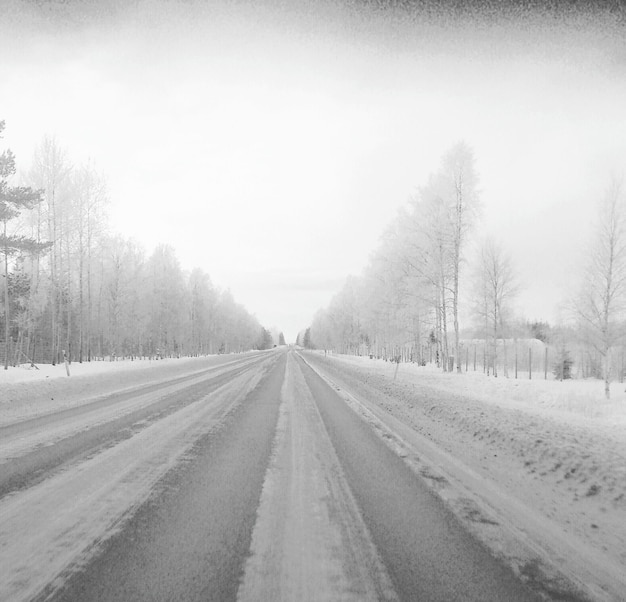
(190, 539)
(426, 551)
(309, 541)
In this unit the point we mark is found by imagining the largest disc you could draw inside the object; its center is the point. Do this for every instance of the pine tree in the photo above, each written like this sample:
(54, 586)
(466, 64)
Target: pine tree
(563, 366)
(13, 200)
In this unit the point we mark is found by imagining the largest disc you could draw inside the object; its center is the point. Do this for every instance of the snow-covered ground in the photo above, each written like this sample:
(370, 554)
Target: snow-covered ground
(25, 373)
(554, 450)
(27, 392)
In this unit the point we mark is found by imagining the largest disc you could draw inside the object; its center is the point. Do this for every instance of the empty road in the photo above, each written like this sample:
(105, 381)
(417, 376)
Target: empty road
(250, 480)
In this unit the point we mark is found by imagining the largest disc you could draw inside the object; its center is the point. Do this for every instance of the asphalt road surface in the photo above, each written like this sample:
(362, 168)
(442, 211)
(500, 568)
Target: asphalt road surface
(251, 481)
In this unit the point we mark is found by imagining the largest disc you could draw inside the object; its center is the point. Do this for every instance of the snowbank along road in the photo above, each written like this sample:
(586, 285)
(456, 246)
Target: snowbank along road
(254, 477)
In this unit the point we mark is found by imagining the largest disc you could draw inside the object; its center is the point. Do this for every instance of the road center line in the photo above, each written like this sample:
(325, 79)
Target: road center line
(309, 540)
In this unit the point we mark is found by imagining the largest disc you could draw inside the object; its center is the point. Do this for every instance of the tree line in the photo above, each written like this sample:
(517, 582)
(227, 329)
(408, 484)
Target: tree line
(74, 289)
(410, 290)
(421, 277)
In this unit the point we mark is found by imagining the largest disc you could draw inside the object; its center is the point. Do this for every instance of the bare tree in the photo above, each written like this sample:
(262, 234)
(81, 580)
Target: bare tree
(50, 172)
(89, 189)
(496, 286)
(432, 255)
(601, 304)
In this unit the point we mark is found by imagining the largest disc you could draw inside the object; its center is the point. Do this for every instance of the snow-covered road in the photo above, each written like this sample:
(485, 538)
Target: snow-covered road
(268, 476)
(60, 521)
(541, 485)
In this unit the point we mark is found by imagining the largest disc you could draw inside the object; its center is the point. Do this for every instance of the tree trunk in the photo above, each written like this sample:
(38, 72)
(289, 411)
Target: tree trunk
(504, 349)
(6, 300)
(68, 335)
(89, 300)
(495, 342)
(505, 358)
(418, 340)
(53, 276)
(444, 329)
(81, 267)
(607, 372)
(455, 293)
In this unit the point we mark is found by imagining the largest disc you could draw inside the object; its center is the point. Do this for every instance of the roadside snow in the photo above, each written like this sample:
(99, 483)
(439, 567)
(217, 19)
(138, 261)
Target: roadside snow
(556, 447)
(572, 401)
(27, 373)
(26, 392)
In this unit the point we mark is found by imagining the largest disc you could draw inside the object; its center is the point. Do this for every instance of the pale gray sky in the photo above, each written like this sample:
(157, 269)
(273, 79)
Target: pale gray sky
(271, 142)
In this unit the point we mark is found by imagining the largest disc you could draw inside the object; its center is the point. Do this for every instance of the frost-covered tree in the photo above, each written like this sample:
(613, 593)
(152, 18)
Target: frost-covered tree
(460, 173)
(411, 284)
(306, 339)
(495, 288)
(51, 171)
(601, 303)
(90, 194)
(265, 339)
(166, 302)
(203, 300)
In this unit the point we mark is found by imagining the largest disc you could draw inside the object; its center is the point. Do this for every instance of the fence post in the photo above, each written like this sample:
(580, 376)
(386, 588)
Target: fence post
(530, 363)
(545, 365)
(485, 358)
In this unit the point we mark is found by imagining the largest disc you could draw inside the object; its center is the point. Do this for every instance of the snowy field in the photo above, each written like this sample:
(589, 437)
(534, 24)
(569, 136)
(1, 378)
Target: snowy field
(574, 400)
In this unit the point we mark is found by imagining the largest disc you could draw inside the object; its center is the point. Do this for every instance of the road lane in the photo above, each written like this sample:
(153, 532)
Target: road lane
(428, 554)
(189, 541)
(49, 530)
(270, 487)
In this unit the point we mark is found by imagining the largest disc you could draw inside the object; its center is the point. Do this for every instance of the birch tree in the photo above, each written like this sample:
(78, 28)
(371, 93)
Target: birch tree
(203, 300)
(601, 304)
(50, 171)
(405, 264)
(460, 176)
(167, 309)
(495, 288)
(89, 189)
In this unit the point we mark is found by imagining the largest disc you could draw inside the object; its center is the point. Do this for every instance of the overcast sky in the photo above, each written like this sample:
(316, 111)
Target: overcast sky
(271, 142)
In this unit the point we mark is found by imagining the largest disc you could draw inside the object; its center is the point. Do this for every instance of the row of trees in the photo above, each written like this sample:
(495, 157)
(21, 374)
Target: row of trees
(408, 300)
(411, 290)
(73, 288)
